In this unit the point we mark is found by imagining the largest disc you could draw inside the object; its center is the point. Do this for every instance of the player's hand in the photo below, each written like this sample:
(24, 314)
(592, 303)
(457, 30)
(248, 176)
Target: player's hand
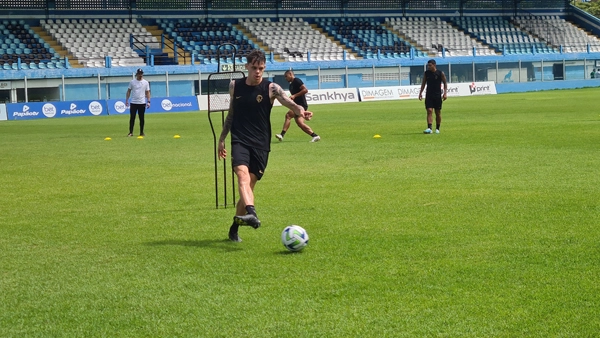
(147, 104)
(126, 104)
(222, 150)
(308, 115)
(420, 97)
(444, 97)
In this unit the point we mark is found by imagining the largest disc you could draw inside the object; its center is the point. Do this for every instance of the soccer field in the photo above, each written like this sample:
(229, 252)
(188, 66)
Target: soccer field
(489, 229)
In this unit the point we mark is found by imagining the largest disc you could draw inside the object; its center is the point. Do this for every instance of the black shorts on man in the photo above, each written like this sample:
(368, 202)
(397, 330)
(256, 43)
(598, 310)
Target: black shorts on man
(434, 102)
(255, 159)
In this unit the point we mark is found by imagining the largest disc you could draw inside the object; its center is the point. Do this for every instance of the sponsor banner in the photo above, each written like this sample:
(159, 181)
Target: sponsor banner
(3, 112)
(158, 105)
(325, 96)
(317, 96)
(338, 95)
(481, 88)
(412, 92)
(389, 93)
(38, 110)
(4, 85)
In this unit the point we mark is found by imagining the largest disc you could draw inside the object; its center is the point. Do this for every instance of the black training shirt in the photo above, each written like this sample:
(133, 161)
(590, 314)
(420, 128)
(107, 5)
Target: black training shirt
(251, 115)
(434, 82)
(296, 87)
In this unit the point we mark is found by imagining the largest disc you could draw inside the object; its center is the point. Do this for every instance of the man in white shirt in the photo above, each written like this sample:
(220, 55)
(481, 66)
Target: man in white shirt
(139, 89)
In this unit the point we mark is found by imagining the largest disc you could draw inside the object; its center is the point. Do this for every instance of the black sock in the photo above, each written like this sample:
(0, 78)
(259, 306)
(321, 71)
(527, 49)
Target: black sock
(250, 209)
(234, 228)
(428, 125)
(437, 126)
(314, 134)
(283, 133)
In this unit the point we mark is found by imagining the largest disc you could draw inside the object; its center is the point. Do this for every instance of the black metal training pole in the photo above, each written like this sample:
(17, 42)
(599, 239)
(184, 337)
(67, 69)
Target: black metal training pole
(218, 101)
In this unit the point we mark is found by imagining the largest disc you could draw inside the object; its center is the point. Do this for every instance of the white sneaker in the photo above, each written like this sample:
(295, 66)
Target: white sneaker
(427, 131)
(316, 139)
(279, 137)
(437, 131)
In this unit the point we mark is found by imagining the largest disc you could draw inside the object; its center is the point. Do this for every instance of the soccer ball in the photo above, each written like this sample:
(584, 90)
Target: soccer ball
(294, 238)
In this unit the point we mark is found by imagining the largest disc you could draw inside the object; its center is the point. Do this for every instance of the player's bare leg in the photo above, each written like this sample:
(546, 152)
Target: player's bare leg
(300, 121)
(244, 209)
(286, 125)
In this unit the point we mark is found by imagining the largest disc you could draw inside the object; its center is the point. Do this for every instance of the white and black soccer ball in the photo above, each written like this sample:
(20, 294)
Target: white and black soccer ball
(294, 238)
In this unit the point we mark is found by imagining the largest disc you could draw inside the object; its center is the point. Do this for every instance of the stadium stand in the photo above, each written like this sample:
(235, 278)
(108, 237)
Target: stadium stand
(87, 42)
(21, 47)
(558, 32)
(502, 35)
(50, 40)
(293, 39)
(202, 37)
(366, 37)
(91, 40)
(437, 37)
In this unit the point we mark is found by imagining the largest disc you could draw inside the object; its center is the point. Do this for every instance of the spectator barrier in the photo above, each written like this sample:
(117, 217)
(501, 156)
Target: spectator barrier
(33, 110)
(36, 110)
(175, 104)
(412, 92)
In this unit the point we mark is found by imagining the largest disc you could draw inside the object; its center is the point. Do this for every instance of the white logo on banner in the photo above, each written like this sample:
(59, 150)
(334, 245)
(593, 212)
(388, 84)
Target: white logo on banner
(73, 110)
(95, 108)
(48, 109)
(120, 107)
(166, 104)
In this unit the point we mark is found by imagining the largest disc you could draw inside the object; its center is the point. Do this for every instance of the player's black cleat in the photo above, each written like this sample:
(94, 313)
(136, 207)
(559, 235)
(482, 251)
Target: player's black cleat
(247, 220)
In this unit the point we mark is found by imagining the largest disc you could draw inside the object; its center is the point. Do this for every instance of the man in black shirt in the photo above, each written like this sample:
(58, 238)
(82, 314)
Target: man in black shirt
(298, 91)
(249, 120)
(433, 78)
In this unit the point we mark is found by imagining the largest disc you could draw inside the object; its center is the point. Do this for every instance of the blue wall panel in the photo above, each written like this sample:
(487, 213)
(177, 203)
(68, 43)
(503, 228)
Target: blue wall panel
(81, 92)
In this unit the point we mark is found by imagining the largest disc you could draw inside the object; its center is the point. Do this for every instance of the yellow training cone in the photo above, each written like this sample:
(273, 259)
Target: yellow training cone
(140, 137)
(176, 136)
(377, 136)
(107, 139)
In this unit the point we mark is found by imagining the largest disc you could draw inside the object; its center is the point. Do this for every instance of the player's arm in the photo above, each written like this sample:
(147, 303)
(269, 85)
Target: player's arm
(276, 92)
(127, 96)
(422, 87)
(444, 96)
(227, 123)
(303, 91)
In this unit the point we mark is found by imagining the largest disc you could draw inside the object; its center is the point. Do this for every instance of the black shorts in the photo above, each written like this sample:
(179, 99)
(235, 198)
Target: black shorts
(256, 160)
(433, 101)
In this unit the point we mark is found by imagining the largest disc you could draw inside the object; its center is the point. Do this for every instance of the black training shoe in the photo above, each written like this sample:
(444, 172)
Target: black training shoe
(248, 220)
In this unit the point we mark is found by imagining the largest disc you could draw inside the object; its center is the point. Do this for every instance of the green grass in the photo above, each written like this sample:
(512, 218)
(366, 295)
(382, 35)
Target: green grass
(489, 229)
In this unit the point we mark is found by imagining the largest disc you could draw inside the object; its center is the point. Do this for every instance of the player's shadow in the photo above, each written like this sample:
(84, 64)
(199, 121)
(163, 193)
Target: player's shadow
(221, 244)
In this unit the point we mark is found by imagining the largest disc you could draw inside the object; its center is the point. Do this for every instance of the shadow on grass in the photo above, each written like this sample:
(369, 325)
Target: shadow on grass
(287, 252)
(222, 244)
